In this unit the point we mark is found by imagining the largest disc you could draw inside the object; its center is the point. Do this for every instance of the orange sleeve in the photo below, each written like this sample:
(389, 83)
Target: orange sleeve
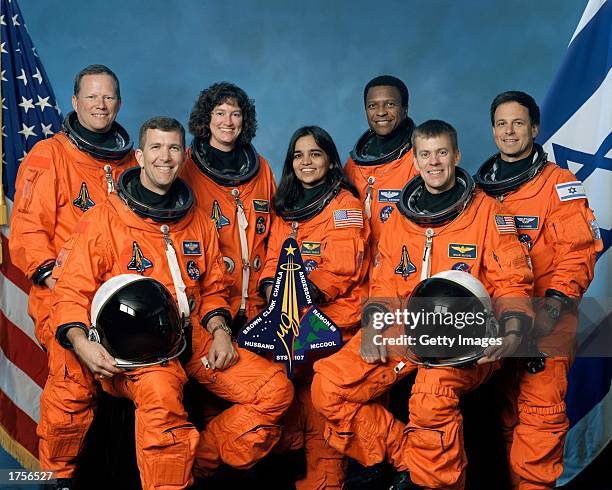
(33, 218)
(80, 267)
(215, 281)
(575, 236)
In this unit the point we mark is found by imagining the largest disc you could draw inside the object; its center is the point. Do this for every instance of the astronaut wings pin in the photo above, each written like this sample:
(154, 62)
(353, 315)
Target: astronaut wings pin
(291, 325)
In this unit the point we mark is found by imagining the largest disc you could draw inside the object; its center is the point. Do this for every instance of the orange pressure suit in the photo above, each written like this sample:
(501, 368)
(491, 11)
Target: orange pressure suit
(562, 236)
(221, 197)
(333, 251)
(345, 387)
(56, 183)
(113, 240)
(380, 180)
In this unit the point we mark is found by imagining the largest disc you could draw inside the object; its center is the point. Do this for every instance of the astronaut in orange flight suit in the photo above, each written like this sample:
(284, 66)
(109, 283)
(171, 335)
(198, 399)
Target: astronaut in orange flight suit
(327, 222)
(445, 221)
(234, 185)
(382, 160)
(62, 177)
(555, 222)
(139, 231)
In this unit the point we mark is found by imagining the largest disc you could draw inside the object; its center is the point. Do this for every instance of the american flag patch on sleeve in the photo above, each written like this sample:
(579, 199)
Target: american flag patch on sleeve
(344, 218)
(505, 223)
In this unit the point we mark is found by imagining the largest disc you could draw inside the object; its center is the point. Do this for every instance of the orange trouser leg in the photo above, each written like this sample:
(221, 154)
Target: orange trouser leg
(537, 448)
(244, 433)
(345, 390)
(66, 411)
(325, 467)
(165, 440)
(434, 446)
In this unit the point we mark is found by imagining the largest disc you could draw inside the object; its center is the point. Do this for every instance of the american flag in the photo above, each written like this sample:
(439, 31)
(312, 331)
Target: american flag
(505, 223)
(29, 114)
(344, 218)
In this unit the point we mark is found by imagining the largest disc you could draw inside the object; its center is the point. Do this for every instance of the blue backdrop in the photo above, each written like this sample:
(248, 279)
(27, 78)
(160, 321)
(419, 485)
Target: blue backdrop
(307, 62)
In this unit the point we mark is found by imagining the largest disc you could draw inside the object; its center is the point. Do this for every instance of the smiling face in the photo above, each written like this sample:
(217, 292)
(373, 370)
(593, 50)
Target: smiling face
(436, 159)
(384, 109)
(97, 103)
(225, 125)
(310, 162)
(513, 131)
(161, 158)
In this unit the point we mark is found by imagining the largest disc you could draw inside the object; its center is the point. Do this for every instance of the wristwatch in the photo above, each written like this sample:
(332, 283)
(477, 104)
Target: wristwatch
(221, 326)
(554, 312)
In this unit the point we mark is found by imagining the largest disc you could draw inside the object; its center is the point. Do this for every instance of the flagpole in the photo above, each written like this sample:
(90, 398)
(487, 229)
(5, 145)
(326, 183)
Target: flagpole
(3, 210)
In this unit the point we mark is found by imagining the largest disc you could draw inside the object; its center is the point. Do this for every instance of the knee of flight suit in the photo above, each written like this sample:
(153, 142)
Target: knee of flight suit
(435, 452)
(165, 440)
(66, 413)
(327, 400)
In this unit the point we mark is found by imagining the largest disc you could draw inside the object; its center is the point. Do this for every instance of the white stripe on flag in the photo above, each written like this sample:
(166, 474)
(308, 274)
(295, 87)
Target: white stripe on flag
(20, 388)
(587, 15)
(14, 304)
(5, 228)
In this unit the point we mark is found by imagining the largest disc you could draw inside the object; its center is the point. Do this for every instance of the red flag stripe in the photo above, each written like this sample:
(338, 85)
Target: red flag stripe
(11, 271)
(17, 423)
(22, 351)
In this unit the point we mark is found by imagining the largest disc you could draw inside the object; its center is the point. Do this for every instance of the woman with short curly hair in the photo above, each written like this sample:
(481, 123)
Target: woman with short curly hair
(234, 185)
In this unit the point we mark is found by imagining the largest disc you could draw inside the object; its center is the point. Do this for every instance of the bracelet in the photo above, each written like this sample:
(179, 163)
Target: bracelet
(221, 326)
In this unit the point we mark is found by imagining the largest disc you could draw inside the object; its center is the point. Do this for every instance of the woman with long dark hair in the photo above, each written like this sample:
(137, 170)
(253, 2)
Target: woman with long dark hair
(318, 207)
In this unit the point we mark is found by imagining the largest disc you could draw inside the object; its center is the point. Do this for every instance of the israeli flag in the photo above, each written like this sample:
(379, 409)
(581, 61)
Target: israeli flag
(576, 132)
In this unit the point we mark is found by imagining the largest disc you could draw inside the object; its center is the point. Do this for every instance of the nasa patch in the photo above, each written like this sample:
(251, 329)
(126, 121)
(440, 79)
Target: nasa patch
(311, 248)
(389, 195)
(261, 205)
(310, 265)
(527, 222)
(461, 266)
(191, 247)
(192, 270)
(462, 251)
(229, 264)
(260, 225)
(526, 239)
(385, 213)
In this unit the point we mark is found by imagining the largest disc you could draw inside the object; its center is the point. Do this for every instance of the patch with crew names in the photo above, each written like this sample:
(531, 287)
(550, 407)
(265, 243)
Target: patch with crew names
(261, 205)
(405, 267)
(310, 265)
(389, 195)
(229, 264)
(257, 263)
(191, 247)
(260, 225)
(192, 270)
(83, 201)
(217, 216)
(462, 251)
(505, 224)
(527, 222)
(311, 248)
(526, 239)
(348, 218)
(570, 191)
(462, 266)
(385, 213)
(139, 262)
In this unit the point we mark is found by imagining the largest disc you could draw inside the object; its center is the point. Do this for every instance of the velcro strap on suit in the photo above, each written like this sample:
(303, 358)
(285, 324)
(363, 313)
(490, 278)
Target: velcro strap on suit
(427, 389)
(550, 410)
(243, 223)
(177, 279)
